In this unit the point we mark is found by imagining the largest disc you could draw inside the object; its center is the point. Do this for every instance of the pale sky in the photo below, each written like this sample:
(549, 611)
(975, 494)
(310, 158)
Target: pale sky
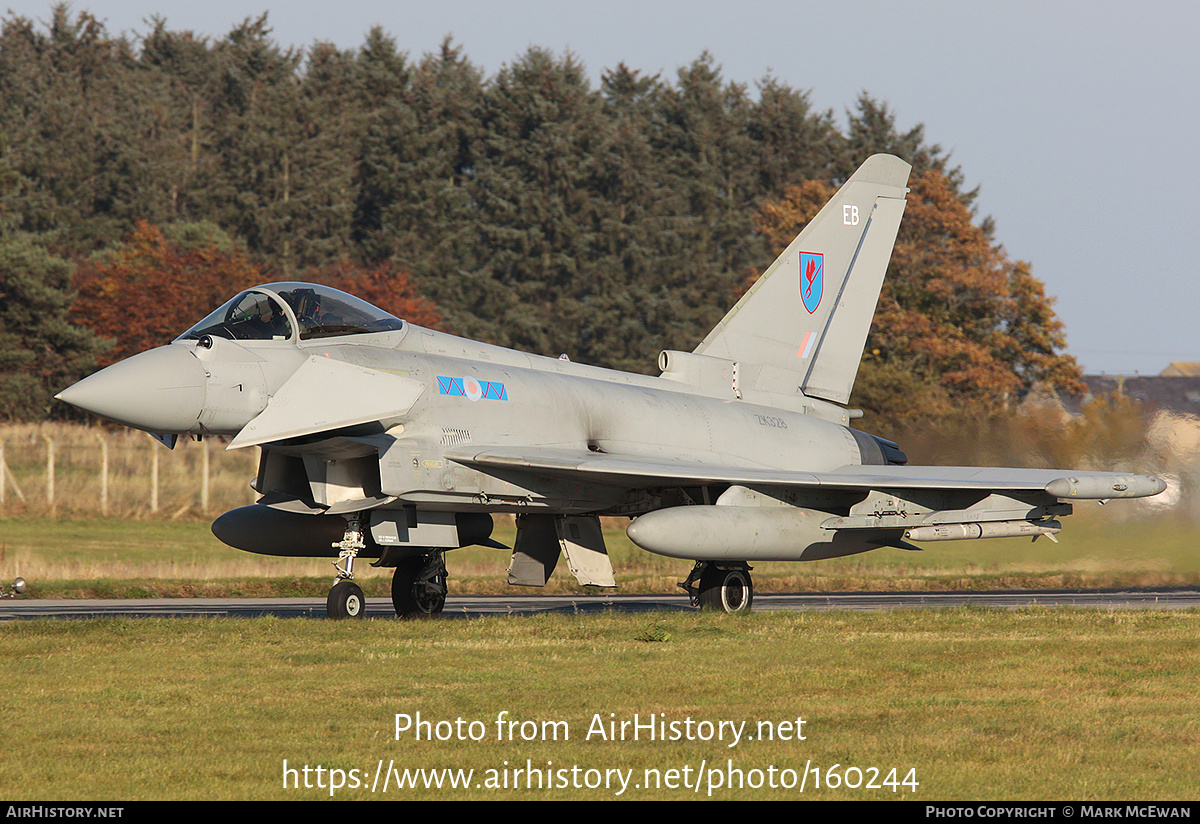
(1076, 119)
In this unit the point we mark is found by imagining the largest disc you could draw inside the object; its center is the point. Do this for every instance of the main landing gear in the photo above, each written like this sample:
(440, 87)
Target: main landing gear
(419, 585)
(724, 586)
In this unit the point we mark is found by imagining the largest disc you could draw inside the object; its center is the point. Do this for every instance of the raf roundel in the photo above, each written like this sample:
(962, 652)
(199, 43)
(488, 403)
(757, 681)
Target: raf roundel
(472, 389)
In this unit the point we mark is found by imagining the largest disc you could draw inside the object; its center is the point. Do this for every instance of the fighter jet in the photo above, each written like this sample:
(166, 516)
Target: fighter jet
(383, 440)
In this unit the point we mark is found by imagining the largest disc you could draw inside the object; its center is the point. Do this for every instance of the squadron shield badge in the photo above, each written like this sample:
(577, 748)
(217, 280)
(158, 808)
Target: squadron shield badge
(812, 279)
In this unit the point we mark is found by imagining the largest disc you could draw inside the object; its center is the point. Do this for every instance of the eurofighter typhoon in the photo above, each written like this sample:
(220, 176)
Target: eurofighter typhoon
(383, 440)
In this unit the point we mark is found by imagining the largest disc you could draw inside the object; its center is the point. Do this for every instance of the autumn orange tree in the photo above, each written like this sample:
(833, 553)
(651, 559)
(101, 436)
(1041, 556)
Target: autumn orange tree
(148, 290)
(958, 323)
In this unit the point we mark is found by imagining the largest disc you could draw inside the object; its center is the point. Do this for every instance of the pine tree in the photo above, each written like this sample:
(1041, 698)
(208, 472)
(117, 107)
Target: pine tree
(793, 143)
(68, 123)
(618, 326)
(418, 149)
(179, 74)
(387, 135)
(709, 159)
(321, 163)
(537, 220)
(256, 128)
(41, 352)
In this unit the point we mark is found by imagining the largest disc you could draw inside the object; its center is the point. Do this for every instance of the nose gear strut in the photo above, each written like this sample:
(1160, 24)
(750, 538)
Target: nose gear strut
(346, 598)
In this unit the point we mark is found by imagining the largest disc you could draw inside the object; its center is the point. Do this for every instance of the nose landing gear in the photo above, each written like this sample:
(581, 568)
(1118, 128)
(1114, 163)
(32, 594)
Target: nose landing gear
(346, 598)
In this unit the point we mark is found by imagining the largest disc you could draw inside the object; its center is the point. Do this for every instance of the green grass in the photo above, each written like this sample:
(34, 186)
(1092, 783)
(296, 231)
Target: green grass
(1033, 704)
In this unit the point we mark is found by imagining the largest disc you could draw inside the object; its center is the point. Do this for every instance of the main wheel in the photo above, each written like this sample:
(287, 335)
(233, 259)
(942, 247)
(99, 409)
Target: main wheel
(414, 597)
(346, 601)
(729, 590)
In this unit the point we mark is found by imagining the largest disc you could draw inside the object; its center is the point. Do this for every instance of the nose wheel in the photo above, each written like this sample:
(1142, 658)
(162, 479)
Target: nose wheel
(346, 601)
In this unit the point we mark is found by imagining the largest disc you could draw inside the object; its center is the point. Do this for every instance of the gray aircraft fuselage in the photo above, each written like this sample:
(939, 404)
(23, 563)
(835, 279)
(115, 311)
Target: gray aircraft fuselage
(522, 401)
(403, 440)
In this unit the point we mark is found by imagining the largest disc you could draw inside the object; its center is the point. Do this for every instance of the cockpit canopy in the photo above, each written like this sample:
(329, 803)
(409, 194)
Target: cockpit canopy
(277, 310)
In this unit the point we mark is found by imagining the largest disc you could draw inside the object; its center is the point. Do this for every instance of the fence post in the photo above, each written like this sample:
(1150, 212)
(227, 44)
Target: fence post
(204, 474)
(153, 475)
(6, 474)
(50, 474)
(103, 474)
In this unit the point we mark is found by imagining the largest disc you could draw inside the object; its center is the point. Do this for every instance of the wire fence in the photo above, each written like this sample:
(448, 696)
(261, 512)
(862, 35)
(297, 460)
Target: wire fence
(71, 470)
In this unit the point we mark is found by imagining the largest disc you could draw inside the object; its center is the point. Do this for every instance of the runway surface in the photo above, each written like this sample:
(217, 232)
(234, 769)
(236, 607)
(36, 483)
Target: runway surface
(479, 605)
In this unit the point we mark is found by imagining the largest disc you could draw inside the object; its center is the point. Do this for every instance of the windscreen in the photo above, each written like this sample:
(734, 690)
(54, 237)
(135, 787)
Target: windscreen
(318, 311)
(251, 315)
(323, 312)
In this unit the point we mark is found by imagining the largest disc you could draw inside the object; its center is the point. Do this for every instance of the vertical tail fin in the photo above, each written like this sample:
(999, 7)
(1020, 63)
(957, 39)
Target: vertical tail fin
(802, 326)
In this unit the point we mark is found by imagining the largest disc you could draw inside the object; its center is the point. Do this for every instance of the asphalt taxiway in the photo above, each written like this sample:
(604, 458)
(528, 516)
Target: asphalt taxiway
(479, 605)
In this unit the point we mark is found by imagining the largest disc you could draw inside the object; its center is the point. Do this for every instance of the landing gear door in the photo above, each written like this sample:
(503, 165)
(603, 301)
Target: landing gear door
(535, 553)
(542, 538)
(582, 542)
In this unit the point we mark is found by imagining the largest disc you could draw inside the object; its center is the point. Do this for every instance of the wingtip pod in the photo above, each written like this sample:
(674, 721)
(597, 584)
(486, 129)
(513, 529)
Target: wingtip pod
(1103, 486)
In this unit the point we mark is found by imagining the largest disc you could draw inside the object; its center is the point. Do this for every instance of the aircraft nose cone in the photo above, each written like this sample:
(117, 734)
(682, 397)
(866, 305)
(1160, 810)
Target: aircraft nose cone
(160, 391)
